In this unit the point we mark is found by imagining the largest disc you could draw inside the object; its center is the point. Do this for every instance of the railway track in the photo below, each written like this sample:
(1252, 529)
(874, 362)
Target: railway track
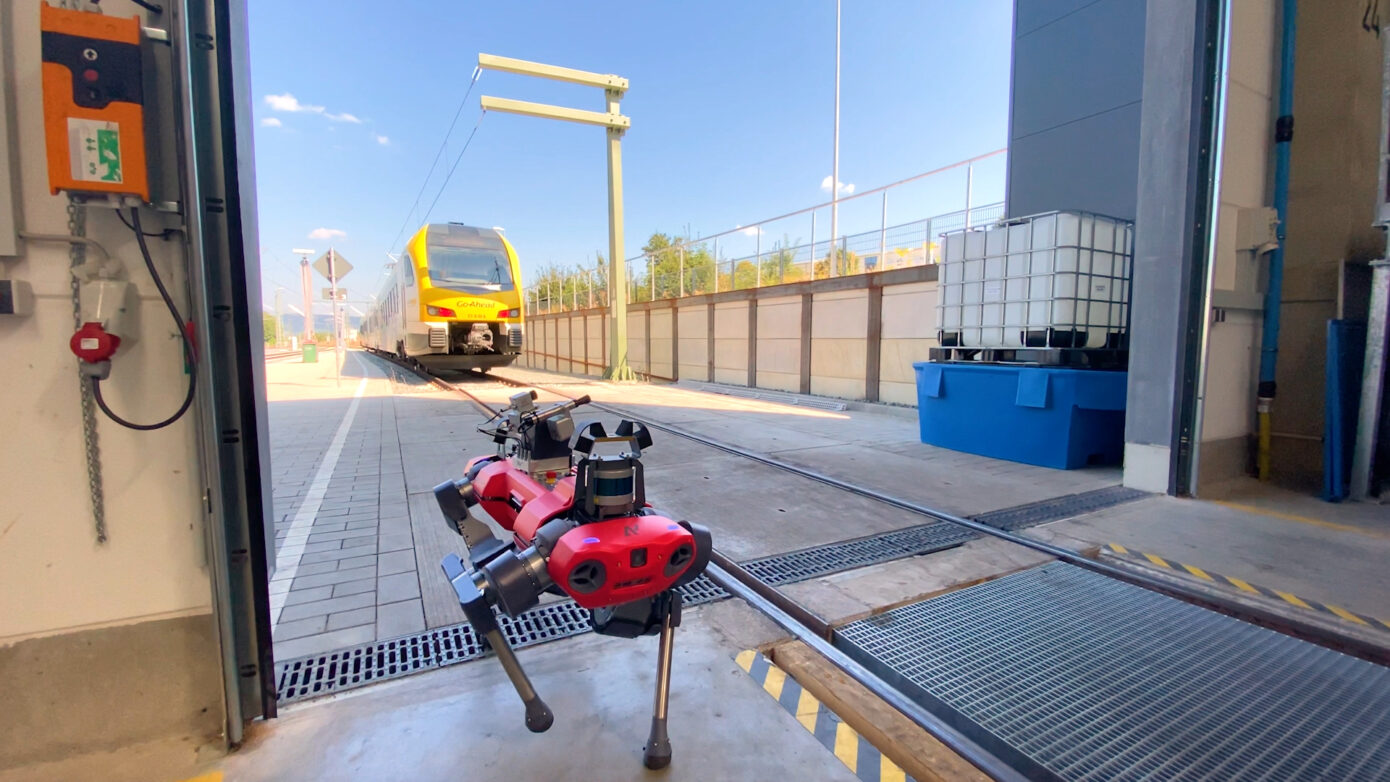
(803, 624)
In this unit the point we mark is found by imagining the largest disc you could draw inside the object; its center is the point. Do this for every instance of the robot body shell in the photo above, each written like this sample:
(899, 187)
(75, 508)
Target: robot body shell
(619, 560)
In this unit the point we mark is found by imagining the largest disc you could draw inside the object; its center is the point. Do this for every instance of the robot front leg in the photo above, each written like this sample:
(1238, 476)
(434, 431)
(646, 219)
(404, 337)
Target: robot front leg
(476, 608)
(657, 753)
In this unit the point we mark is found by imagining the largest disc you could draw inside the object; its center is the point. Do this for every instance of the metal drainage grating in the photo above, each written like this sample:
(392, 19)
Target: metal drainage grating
(701, 591)
(324, 673)
(1059, 508)
(807, 563)
(548, 622)
(1092, 678)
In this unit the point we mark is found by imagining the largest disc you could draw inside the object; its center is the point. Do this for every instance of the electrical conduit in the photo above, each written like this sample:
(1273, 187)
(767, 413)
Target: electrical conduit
(1283, 138)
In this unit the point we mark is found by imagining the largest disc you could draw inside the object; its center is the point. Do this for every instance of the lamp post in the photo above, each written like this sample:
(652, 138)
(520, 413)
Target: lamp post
(307, 281)
(835, 158)
(616, 125)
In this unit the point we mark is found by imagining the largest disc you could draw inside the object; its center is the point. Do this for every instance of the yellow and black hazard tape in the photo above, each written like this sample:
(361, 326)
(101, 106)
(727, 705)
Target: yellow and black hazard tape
(834, 734)
(1253, 589)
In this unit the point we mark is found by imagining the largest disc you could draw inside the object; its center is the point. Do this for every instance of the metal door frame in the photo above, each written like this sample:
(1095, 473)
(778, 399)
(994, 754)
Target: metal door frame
(217, 166)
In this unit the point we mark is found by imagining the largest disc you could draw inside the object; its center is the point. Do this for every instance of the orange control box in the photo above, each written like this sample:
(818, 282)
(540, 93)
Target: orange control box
(93, 103)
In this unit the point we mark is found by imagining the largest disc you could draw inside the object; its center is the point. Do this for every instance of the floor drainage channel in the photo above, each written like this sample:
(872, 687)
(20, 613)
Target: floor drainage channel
(321, 674)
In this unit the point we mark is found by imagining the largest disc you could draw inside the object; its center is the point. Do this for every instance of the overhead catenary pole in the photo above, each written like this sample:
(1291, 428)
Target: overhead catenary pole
(617, 343)
(616, 125)
(835, 157)
(307, 281)
(279, 317)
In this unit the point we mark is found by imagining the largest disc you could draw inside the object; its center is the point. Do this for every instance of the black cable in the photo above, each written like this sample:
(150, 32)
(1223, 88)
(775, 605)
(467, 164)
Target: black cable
(183, 335)
(450, 175)
(148, 6)
(161, 235)
(442, 145)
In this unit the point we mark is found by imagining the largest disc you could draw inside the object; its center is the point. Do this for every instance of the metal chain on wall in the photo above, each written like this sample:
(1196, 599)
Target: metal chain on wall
(77, 255)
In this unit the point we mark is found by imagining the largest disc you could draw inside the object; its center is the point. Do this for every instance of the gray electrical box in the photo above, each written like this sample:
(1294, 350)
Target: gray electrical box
(16, 298)
(9, 162)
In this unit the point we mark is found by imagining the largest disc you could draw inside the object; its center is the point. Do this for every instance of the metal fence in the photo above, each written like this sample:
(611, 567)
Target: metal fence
(748, 256)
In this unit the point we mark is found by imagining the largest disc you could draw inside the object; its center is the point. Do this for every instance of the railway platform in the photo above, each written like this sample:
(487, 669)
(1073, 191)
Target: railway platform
(360, 537)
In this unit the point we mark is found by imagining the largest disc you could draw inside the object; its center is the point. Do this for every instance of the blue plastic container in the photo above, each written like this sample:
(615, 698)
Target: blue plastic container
(1063, 418)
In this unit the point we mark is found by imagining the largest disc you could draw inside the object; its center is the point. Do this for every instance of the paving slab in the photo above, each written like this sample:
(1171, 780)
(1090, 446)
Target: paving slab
(333, 553)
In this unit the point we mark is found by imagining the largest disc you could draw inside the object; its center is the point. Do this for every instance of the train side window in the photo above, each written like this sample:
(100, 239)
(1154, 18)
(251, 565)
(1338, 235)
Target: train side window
(408, 267)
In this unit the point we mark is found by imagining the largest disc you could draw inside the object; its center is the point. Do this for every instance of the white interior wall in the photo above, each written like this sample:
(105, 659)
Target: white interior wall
(1228, 410)
(53, 575)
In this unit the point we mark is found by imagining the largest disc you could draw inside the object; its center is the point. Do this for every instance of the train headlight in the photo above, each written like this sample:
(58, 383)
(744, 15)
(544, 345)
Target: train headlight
(439, 312)
(512, 313)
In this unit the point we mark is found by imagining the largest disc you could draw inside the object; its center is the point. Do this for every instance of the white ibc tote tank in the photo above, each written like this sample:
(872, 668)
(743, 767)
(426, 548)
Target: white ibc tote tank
(1059, 279)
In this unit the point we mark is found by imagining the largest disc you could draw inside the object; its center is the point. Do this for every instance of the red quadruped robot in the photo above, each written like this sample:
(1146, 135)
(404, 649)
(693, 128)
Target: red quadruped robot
(580, 527)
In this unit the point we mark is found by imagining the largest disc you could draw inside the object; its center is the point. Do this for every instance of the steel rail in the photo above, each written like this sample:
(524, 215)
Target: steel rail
(787, 614)
(1273, 620)
(439, 382)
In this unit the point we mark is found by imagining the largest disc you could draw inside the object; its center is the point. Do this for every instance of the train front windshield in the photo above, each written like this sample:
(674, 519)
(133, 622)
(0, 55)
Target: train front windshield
(473, 267)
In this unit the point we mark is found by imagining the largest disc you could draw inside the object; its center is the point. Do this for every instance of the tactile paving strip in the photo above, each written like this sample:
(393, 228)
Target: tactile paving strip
(1096, 679)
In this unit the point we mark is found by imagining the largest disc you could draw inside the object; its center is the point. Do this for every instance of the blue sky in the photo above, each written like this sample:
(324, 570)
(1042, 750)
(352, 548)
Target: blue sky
(731, 106)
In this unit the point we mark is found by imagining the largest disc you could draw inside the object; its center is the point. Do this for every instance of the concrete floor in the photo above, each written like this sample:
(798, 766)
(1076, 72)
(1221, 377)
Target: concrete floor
(464, 722)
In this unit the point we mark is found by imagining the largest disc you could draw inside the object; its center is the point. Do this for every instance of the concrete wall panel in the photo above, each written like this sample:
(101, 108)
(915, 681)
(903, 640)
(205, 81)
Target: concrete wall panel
(563, 348)
(694, 342)
(779, 381)
(637, 342)
(779, 343)
(661, 342)
(731, 343)
(839, 315)
(731, 320)
(909, 311)
(837, 367)
(597, 342)
(898, 393)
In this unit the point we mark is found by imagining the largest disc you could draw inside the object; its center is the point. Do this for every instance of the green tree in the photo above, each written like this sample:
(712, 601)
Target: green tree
(268, 326)
(745, 275)
(845, 263)
(673, 266)
(779, 266)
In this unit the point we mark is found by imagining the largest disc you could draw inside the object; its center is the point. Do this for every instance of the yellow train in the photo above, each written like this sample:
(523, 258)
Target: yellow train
(452, 301)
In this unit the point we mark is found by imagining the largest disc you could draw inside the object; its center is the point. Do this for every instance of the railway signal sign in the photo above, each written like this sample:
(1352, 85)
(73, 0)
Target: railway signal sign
(335, 267)
(332, 265)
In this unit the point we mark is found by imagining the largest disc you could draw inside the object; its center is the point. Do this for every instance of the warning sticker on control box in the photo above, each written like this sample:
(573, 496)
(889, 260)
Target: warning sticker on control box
(94, 149)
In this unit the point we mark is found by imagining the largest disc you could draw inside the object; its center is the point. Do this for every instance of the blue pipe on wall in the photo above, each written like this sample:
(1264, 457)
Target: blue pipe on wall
(1283, 139)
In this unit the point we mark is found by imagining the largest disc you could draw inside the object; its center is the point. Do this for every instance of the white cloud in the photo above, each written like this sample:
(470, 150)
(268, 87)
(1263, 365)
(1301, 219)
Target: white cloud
(751, 230)
(845, 189)
(288, 102)
(271, 122)
(383, 140)
(326, 233)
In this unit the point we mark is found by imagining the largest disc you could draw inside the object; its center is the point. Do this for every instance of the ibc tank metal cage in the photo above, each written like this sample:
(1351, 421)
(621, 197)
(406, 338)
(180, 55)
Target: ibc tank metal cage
(1051, 288)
